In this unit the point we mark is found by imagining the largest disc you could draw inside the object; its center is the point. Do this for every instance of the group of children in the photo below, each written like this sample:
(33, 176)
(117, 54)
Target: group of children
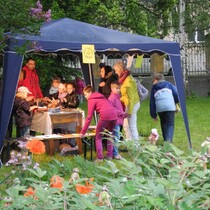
(58, 95)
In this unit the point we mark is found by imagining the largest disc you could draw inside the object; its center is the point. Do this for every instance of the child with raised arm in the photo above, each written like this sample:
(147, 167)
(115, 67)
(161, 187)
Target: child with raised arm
(114, 98)
(107, 120)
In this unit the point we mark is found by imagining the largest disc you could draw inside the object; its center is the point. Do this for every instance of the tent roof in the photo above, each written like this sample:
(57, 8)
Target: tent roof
(68, 34)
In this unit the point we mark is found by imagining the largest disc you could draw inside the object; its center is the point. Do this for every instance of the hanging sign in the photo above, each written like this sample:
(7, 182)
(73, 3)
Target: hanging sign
(88, 53)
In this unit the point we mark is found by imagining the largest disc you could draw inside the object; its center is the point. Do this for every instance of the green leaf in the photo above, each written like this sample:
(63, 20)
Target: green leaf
(113, 167)
(38, 172)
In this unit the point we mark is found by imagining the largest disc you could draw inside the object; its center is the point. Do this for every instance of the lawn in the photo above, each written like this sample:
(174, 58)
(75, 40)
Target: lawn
(198, 110)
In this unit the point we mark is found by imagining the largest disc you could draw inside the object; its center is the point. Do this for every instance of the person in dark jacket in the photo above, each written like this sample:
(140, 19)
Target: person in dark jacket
(163, 100)
(107, 77)
(71, 100)
(22, 111)
(107, 120)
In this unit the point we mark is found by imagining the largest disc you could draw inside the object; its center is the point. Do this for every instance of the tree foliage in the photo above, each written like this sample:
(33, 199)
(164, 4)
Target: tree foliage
(15, 18)
(155, 18)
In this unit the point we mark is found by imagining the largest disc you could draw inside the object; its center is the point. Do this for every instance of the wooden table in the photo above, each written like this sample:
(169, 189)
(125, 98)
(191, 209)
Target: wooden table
(52, 139)
(45, 122)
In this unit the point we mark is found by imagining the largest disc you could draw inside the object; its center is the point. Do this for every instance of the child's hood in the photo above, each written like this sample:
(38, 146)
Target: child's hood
(96, 95)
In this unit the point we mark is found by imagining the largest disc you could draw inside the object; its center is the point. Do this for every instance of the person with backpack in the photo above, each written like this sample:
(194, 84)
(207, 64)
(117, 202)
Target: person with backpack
(163, 100)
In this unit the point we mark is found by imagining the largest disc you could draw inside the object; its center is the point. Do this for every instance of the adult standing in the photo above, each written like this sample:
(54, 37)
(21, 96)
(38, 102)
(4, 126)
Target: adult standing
(29, 78)
(163, 100)
(107, 77)
(130, 100)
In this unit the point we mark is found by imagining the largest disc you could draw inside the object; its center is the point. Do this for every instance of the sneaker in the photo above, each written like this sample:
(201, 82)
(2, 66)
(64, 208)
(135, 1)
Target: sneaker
(108, 158)
(118, 157)
(98, 160)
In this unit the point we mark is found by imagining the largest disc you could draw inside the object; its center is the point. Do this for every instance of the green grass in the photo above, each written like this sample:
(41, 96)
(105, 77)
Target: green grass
(198, 111)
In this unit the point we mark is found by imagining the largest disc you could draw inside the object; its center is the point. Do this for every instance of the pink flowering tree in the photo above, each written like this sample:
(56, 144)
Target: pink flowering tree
(38, 13)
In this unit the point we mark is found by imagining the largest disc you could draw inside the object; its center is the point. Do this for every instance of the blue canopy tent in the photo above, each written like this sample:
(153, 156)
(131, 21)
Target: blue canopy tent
(67, 36)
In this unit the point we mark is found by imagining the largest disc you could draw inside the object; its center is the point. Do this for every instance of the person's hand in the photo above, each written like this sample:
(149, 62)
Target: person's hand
(64, 100)
(47, 100)
(155, 119)
(30, 98)
(101, 84)
(33, 107)
(125, 115)
(82, 135)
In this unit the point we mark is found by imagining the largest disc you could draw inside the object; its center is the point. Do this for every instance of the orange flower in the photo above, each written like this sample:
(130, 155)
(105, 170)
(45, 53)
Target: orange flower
(88, 183)
(35, 146)
(85, 189)
(29, 192)
(82, 189)
(56, 182)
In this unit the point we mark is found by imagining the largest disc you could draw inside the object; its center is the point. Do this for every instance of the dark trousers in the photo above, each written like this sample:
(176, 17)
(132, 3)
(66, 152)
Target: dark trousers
(167, 124)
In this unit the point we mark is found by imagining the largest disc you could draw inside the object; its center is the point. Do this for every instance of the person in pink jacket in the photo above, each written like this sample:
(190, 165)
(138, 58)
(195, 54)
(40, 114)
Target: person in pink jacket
(114, 98)
(107, 120)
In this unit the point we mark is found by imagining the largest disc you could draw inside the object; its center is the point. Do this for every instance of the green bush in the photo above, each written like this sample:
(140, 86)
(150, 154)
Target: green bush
(151, 177)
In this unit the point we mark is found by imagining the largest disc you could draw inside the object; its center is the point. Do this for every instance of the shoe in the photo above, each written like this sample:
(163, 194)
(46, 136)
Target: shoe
(98, 160)
(118, 157)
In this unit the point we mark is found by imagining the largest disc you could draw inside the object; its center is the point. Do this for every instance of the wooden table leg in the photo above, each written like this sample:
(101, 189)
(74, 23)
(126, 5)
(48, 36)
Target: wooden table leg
(51, 147)
(79, 144)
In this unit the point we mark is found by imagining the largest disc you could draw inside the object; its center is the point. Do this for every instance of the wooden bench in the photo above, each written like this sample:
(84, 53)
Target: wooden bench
(52, 141)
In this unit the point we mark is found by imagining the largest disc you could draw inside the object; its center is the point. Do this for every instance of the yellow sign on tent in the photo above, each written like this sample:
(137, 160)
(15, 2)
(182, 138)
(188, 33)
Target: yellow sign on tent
(88, 53)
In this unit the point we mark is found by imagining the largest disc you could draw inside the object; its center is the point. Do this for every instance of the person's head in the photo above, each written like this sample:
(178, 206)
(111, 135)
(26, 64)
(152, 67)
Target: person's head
(88, 90)
(158, 77)
(101, 65)
(61, 88)
(56, 81)
(105, 71)
(22, 92)
(30, 63)
(70, 87)
(115, 87)
(119, 67)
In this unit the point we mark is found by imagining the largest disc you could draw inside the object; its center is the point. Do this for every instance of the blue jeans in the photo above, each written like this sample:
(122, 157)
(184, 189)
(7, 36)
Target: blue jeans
(116, 133)
(167, 125)
(24, 131)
